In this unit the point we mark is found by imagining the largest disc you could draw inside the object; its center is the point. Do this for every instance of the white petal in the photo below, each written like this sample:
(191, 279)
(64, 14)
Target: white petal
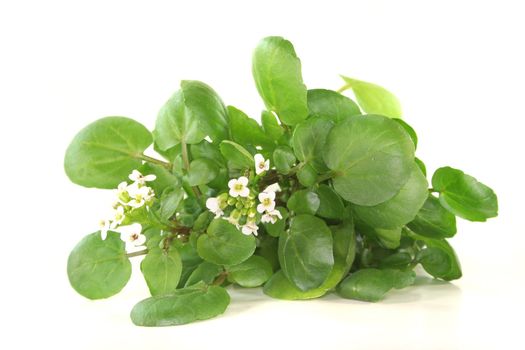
(273, 188)
(150, 177)
(267, 164)
(245, 192)
(243, 180)
(261, 208)
(212, 204)
(258, 170)
(140, 241)
(246, 230)
(232, 183)
(233, 193)
(258, 158)
(266, 218)
(271, 195)
(135, 175)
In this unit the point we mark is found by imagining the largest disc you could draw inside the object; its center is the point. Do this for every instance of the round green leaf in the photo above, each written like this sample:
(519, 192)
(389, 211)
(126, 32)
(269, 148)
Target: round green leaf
(330, 204)
(308, 141)
(277, 73)
(205, 272)
(105, 152)
(306, 252)
(224, 244)
(464, 196)
(410, 131)
(307, 175)
(202, 171)
(283, 159)
(331, 105)
(250, 273)
(433, 220)
(99, 268)
(162, 270)
(400, 209)
(372, 157)
(304, 202)
(198, 302)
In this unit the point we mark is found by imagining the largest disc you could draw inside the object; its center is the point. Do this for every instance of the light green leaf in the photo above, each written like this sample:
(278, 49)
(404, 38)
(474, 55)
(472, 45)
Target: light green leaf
(390, 238)
(464, 196)
(372, 157)
(433, 220)
(283, 159)
(271, 126)
(238, 157)
(277, 73)
(162, 270)
(400, 209)
(308, 141)
(307, 175)
(410, 131)
(331, 105)
(198, 302)
(374, 99)
(304, 202)
(306, 252)
(246, 131)
(224, 244)
(250, 273)
(169, 201)
(202, 171)
(330, 204)
(97, 268)
(105, 152)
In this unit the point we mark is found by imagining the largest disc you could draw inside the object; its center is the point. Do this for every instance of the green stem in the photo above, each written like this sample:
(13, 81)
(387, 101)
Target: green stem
(186, 161)
(343, 88)
(139, 253)
(220, 279)
(155, 161)
(326, 176)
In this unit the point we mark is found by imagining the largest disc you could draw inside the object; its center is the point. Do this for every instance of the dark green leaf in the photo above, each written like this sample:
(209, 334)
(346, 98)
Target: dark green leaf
(162, 270)
(250, 273)
(105, 152)
(99, 269)
(331, 105)
(202, 171)
(307, 175)
(330, 204)
(283, 159)
(238, 157)
(205, 272)
(308, 141)
(304, 202)
(433, 220)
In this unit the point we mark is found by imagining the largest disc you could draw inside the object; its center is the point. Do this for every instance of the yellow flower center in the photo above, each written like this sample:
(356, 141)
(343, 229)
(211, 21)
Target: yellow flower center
(266, 202)
(238, 187)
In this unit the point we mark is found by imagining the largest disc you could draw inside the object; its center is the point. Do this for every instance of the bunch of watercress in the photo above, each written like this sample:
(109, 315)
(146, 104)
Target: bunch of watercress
(326, 195)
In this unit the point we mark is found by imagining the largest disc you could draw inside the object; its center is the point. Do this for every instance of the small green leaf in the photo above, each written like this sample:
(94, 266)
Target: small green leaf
(205, 272)
(464, 196)
(304, 202)
(169, 201)
(246, 131)
(208, 151)
(433, 220)
(198, 302)
(400, 209)
(238, 157)
(306, 252)
(162, 270)
(389, 238)
(277, 73)
(410, 131)
(271, 126)
(330, 204)
(224, 244)
(97, 268)
(202, 171)
(250, 273)
(308, 141)
(283, 159)
(374, 99)
(105, 152)
(164, 178)
(372, 157)
(307, 175)
(331, 105)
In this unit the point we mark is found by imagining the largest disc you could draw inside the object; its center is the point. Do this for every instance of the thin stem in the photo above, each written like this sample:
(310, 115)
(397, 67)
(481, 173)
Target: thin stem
(155, 161)
(326, 176)
(186, 161)
(139, 253)
(220, 279)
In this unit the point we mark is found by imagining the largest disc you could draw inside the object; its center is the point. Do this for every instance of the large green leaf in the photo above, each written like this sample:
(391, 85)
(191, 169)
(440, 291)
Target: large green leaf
(433, 220)
(306, 252)
(330, 204)
(331, 105)
(303, 202)
(372, 157)
(283, 159)
(463, 195)
(224, 244)
(308, 141)
(198, 302)
(105, 152)
(374, 99)
(250, 273)
(277, 73)
(162, 270)
(202, 171)
(205, 272)
(400, 209)
(99, 268)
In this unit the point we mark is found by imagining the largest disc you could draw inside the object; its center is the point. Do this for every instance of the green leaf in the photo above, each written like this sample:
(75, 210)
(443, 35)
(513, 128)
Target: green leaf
(271, 126)
(198, 302)
(374, 99)
(105, 152)
(246, 131)
(162, 270)
(250, 273)
(410, 131)
(225, 244)
(278, 227)
(277, 73)
(421, 166)
(306, 252)
(308, 141)
(400, 209)
(373, 284)
(202, 171)
(169, 201)
(97, 268)
(304, 202)
(283, 159)
(164, 179)
(238, 157)
(205, 272)
(190, 261)
(433, 220)
(331, 105)
(389, 238)
(208, 151)
(330, 204)
(464, 196)
(307, 175)
(372, 157)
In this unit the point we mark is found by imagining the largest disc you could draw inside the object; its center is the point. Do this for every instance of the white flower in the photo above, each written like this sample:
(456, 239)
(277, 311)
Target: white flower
(212, 204)
(261, 165)
(271, 216)
(104, 228)
(137, 177)
(273, 188)
(249, 228)
(139, 195)
(232, 221)
(118, 216)
(238, 187)
(132, 235)
(267, 202)
(122, 188)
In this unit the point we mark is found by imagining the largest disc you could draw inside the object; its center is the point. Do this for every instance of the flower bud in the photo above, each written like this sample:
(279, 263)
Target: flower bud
(236, 214)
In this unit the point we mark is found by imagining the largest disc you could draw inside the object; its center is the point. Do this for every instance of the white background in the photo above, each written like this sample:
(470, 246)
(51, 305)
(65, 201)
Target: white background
(457, 67)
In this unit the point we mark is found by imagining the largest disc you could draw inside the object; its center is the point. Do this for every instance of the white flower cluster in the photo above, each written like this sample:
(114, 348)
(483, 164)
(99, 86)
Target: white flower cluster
(241, 199)
(130, 197)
